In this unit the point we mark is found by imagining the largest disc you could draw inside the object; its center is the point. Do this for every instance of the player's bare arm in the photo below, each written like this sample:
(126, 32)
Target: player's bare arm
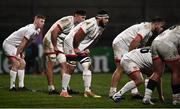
(79, 36)
(54, 35)
(22, 46)
(135, 42)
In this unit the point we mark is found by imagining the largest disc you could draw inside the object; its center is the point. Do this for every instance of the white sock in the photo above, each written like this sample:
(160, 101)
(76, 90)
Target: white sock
(128, 86)
(113, 89)
(21, 74)
(65, 81)
(148, 93)
(51, 87)
(87, 77)
(134, 90)
(68, 87)
(146, 82)
(12, 78)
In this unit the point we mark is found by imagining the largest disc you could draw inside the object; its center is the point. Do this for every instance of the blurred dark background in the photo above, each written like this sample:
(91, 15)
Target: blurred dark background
(15, 14)
(123, 13)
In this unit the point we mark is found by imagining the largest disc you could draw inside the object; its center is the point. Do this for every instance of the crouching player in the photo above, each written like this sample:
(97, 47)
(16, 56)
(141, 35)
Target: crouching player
(165, 50)
(135, 63)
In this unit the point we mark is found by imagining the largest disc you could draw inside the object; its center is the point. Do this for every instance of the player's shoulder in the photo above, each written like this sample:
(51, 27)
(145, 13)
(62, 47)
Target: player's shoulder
(29, 27)
(90, 22)
(145, 25)
(66, 19)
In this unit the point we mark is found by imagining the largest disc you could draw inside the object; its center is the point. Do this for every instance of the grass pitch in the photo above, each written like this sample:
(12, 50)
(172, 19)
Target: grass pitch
(100, 85)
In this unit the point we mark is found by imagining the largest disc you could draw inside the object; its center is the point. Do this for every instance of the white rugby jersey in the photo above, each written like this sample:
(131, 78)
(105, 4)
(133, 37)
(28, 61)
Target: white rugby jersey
(29, 31)
(90, 28)
(66, 24)
(143, 29)
(171, 35)
(142, 57)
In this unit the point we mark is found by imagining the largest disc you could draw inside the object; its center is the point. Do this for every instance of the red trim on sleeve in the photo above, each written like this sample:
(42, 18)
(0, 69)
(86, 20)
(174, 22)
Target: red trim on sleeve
(155, 58)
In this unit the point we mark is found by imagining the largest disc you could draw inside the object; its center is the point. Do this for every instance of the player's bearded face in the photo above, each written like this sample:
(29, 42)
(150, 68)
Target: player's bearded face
(103, 22)
(159, 27)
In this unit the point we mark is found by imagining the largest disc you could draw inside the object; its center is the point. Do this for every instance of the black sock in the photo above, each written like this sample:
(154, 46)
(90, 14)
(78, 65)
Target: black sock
(176, 88)
(151, 84)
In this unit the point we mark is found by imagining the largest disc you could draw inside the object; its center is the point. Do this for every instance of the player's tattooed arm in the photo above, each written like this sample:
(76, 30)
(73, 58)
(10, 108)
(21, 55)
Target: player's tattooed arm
(24, 43)
(79, 36)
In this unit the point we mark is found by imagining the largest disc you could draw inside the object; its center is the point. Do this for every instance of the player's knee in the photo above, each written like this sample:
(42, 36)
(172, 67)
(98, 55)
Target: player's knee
(70, 69)
(15, 65)
(22, 64)
(137, 77)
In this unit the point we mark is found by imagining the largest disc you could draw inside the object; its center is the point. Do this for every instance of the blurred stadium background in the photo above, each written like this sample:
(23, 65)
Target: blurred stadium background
(123, 13)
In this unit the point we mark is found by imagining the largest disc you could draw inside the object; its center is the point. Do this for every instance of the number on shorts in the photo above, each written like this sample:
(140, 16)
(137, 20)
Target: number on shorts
(144, 50)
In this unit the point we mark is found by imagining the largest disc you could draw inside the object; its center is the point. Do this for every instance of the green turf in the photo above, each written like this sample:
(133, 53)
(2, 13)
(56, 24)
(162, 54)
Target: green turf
(100, 85)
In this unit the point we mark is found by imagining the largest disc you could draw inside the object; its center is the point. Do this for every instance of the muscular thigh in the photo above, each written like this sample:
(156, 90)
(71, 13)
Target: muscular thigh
(129, 66)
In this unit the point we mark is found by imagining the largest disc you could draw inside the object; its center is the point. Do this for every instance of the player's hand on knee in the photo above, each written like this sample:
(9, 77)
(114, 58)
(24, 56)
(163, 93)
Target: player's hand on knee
(87, 51)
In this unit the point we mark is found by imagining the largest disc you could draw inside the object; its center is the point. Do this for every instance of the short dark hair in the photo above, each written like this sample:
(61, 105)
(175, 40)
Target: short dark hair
(80, 12)
(101, 12)
(157, 19)
(40, 16)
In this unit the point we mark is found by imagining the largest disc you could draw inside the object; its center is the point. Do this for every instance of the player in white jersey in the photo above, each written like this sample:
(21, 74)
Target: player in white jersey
(53, 44)
(165, 50)
(76, 46)
(14, 47)
(135, 63)
(128, 40)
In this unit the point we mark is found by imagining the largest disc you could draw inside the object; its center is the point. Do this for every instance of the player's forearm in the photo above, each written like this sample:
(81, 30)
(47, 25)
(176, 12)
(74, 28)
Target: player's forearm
(22, 46)
(133, 45)
(54, 39)
(79, 36)
(135, 42)
(54, 34)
